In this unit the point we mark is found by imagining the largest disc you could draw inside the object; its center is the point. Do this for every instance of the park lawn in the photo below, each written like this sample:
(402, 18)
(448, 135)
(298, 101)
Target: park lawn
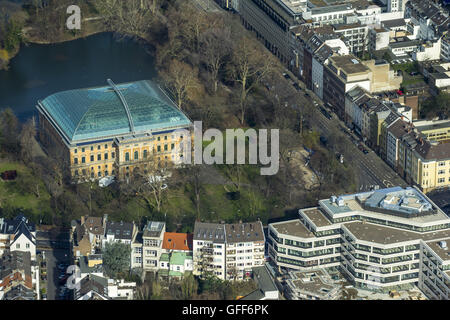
(12, 197)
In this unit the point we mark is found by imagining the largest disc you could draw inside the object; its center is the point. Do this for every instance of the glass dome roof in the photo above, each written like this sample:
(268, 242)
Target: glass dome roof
(94, 113)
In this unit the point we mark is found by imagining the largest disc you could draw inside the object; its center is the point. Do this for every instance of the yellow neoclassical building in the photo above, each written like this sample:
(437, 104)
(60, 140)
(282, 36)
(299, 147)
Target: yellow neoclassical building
(112, 130)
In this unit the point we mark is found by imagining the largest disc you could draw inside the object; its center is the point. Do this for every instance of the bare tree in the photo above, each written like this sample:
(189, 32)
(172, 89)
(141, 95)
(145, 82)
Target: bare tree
(251, 64)
(180, 80)
(215, 47)
(27, 139)
(152, 183)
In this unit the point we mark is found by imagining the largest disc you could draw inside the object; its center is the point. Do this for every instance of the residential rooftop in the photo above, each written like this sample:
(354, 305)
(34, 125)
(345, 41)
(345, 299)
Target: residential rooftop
(177, 241)
(153, 229)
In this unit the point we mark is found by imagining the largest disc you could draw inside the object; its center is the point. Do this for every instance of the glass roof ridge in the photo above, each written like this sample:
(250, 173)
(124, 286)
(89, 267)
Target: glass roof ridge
(91, 113)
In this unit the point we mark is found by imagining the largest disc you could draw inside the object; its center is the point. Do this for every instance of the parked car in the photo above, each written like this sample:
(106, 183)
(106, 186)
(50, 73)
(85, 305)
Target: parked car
(296, 86)
(286, 75)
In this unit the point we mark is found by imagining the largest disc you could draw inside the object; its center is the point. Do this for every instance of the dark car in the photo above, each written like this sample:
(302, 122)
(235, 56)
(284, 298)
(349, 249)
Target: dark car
(286, 76)
(306, 94)
(365, 151)
(296, 86)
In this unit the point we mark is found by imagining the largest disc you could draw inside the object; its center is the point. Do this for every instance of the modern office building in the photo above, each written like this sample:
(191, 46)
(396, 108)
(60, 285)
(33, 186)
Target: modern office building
(379, 239)
(111, 130)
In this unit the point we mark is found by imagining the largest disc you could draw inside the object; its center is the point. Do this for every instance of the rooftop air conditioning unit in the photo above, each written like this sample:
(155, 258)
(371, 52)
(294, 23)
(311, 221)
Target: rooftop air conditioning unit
(443, 244)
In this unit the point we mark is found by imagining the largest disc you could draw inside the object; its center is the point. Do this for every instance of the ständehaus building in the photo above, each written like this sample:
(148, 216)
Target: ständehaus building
(379, 239)
(114, 130)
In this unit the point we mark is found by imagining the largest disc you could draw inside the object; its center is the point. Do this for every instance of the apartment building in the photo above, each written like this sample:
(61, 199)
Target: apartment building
(423, 158)
(209, 249)
(432, 20)
(18, 273)
(176, 257)
(341, 74)
(123, 232)
(152, 240)
(244, 249)
(18, 234)
(228, 251)
(376, 238)
(94, 287)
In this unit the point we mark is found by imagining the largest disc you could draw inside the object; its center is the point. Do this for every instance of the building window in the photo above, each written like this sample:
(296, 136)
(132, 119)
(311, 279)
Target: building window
(84, 172)
(106, 146)
(17, 245)
(159, 148)
(83, 159)
(165, 147)
(165, 137)
(99, 157)
(92, 148)
(127, 156)
(172, 146)
(159, 138)
(76, 172)
(99, 147)
(75, 151)
(145, 154)
(136, 155)
(75, 160)
(106, 156)
(106, 173)
(27, 246)
(112, 155)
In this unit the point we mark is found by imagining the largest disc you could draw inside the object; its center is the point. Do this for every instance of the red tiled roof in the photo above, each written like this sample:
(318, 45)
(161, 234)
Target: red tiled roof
(177, 241)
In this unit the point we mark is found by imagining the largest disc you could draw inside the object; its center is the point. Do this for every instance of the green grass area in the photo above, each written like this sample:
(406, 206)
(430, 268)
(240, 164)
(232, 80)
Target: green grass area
(22, 193)
(406, 67)
(412, 81)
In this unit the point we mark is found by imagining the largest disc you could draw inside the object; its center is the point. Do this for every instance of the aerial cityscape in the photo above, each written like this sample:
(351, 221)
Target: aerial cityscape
(232, 150)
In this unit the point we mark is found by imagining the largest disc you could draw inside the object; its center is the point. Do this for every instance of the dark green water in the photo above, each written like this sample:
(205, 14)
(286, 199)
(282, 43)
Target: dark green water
(40, 70)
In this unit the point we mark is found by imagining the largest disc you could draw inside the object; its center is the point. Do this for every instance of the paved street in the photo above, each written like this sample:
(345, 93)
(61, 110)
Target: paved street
(370, 169)
(56, 248)
(53, 258)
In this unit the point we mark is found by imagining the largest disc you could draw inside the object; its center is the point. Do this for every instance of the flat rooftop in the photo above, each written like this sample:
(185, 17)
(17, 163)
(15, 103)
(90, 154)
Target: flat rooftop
(387, 235)
(349, 64)
(444, 254)
(295, 6)
(317, 282)
(432, 125)
(403, 205)
(317, 217)
(293, 228)
(331, 9)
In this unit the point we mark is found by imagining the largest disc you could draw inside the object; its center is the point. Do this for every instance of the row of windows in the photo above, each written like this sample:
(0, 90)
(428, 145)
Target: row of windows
(92, 158)
(99, 147)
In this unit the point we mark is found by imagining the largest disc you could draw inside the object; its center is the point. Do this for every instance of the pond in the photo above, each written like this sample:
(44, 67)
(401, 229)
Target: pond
(40, 69)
